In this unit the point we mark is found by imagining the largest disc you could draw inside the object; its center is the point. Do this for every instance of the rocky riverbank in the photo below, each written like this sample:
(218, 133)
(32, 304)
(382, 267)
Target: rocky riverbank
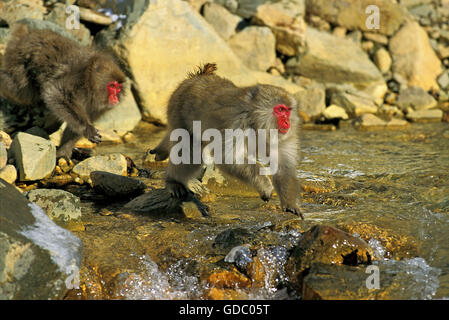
(344, 75)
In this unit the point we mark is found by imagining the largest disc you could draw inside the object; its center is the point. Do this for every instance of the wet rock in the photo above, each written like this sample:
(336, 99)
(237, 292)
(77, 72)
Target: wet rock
(155, 202)
(396, 246)
(229, 280)
(255, 46)
(114, 163)
(349, 14)
(285, 19)
(59, 16)
(12, 11)
(408, 279)
(8, 173)
(415, 98)
(382, 60)
(240, 256)
(413, 57)
(432, 115)
(230, 238)
(35, 157)
(113, 185)
(38, 259)
(224, 22)
(311, 100)
(225, 294)
(334, 60)
(335, 112)
(328, 245)
(354, 103)
(60, 206)
(123, 118)
(3, 155)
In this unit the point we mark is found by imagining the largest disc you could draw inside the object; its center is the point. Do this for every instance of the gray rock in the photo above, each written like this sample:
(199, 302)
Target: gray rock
(335, 60)
(38, 259)
(114, 163)
(3, 155)
(113, 185)
(354, 103)
(58, 16)
(224, 22)
(256, 47)
(311, 100)
(59, 205)
(415, 98)
(35, 157)
(433, 115)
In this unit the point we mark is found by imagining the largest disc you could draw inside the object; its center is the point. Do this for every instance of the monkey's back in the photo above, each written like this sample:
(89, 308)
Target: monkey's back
(207, 97)
(39, 55)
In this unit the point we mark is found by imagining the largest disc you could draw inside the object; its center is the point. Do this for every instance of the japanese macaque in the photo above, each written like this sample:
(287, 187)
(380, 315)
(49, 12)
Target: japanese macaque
(218, 104)
(77, 84)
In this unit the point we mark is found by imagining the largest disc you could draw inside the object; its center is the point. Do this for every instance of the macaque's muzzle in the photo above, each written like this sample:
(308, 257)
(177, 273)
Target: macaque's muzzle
(114, 89)
(282, 113)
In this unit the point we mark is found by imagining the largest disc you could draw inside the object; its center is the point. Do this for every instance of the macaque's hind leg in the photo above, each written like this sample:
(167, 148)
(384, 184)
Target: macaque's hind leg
(250, 173)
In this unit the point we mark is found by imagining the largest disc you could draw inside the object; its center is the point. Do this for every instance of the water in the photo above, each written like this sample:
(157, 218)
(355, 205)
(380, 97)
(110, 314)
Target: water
(393, 182)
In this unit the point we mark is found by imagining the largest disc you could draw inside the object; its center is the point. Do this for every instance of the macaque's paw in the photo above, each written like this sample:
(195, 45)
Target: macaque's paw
(266, 193)
(92, 134)
(177, 190)
(296, 211)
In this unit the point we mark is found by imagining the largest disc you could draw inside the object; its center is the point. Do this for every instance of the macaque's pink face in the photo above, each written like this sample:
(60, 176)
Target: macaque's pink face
(282, 113)
(114, 89)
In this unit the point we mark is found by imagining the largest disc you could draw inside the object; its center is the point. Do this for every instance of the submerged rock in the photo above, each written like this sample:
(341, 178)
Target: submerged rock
(114, 185)
(38, 259)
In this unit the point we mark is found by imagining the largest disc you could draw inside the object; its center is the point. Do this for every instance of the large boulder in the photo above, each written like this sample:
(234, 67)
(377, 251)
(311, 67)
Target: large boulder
(351, 14)
(161, 43)
(38, 259)
(332, 59)
(414, 58)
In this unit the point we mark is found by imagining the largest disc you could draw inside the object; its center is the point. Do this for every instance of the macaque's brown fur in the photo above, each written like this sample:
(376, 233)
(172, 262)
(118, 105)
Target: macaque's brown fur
(219, 104)
(71, 80)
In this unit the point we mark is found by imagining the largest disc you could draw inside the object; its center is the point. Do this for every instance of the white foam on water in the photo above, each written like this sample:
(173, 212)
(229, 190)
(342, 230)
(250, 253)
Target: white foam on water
(63, 246)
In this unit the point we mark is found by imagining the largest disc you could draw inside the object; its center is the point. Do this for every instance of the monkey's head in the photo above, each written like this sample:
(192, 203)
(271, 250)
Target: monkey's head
(275, 107)
(107, 79)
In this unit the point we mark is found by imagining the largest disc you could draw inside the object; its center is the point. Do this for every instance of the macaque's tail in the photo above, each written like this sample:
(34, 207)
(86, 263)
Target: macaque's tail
(206, 69)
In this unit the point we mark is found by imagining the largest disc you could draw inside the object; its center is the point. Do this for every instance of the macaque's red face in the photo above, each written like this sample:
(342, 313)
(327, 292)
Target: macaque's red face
(282, 113)
(114, 89)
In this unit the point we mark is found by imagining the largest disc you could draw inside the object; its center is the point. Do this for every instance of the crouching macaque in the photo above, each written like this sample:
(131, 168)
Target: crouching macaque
(206, 105)
(77, 84)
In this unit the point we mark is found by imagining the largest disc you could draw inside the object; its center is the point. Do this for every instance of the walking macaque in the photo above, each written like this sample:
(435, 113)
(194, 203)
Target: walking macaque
(76, 83)
(218, 104)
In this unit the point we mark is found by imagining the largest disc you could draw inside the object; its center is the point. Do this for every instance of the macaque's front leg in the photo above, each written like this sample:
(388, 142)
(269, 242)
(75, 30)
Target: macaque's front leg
(287, 188)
